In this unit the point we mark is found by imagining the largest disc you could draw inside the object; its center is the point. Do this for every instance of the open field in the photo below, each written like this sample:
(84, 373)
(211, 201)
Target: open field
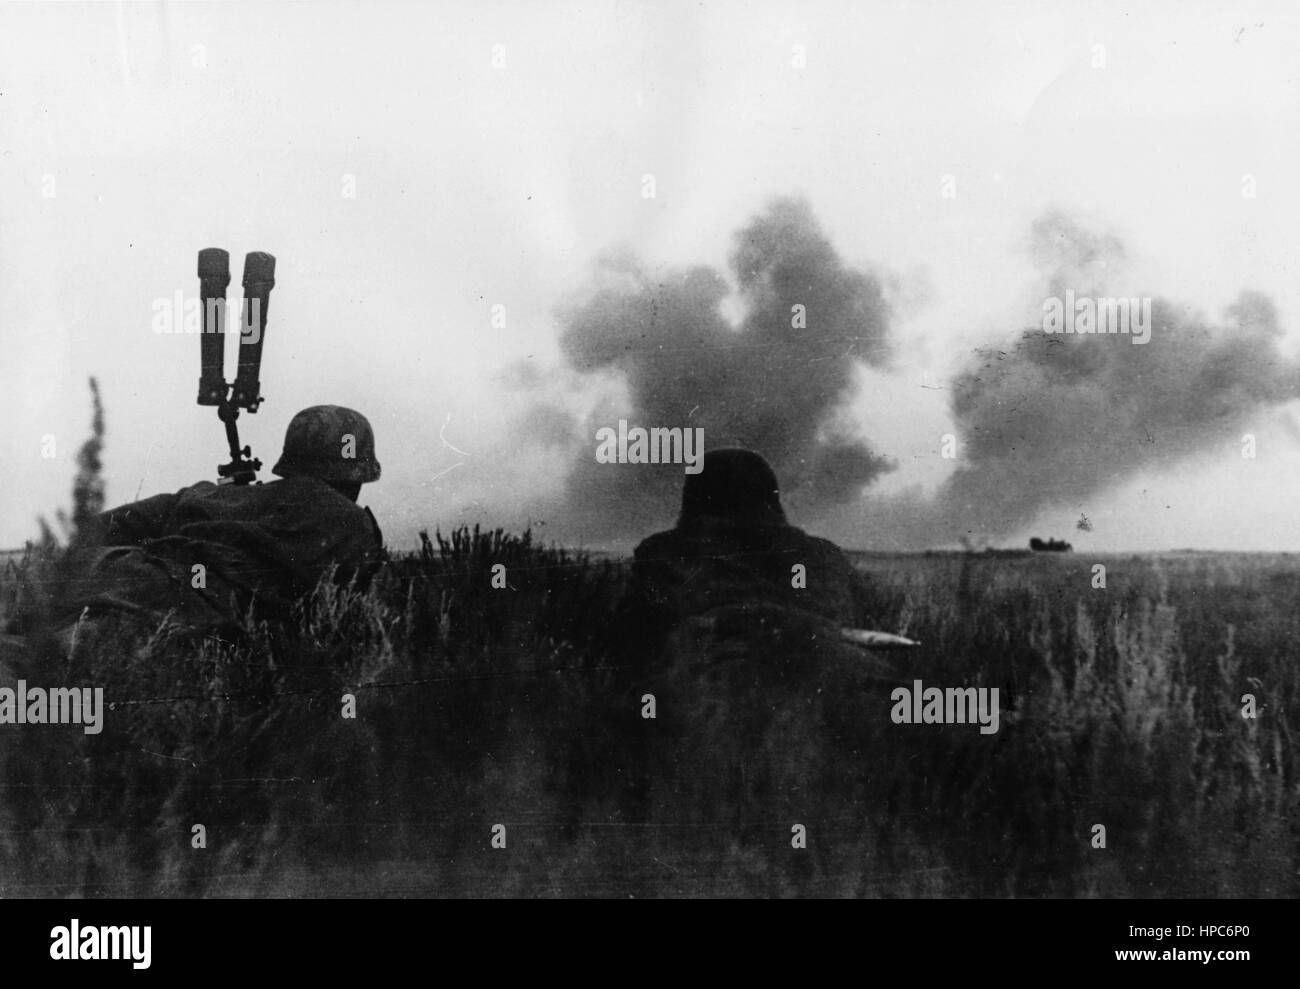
(474, 707)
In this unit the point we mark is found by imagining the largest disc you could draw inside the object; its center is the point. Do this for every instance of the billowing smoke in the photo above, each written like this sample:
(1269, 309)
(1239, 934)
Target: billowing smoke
(1055, 418)
(774, 381)
(1046, 421)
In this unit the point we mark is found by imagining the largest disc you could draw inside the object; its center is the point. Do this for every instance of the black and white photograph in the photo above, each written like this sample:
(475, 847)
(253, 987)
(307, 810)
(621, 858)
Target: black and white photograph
(650, 450)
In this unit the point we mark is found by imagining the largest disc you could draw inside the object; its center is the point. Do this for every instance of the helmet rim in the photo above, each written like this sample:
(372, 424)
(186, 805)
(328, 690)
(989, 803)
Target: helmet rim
(311, 446)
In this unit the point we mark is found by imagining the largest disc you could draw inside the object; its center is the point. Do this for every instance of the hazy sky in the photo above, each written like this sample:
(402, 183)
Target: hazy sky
(496, 151)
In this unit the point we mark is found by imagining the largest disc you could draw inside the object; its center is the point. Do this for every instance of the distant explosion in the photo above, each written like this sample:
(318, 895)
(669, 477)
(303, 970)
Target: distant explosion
(1046, 421)
(1055, 418)
(774, 383)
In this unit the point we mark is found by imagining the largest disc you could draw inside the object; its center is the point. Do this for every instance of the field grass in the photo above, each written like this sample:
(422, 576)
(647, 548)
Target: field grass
(478, 706)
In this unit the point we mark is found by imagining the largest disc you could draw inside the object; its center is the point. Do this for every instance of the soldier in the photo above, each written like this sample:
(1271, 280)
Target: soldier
(732, 627)
(733, 554)
(210, 552)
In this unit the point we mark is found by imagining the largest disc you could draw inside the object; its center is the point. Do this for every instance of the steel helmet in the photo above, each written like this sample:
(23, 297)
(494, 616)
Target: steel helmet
(737, 485)
(330, 443)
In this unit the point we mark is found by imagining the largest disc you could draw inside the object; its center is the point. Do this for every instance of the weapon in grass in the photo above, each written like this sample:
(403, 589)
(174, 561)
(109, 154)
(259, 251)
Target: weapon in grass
(730, 630)
(245, 391)
(876, 640)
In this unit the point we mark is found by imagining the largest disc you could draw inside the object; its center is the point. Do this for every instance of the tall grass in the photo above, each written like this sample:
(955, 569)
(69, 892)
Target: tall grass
(478, 706)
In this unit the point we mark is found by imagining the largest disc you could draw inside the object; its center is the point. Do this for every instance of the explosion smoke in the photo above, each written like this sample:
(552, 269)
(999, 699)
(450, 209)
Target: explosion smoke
(1057, 418)
(769, 383)
(1050, 420)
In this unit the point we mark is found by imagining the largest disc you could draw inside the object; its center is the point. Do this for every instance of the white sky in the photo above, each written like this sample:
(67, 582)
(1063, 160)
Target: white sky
(166, 128)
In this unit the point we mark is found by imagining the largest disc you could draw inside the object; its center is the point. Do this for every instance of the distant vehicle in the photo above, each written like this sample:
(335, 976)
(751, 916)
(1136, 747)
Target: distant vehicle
(1050, 546)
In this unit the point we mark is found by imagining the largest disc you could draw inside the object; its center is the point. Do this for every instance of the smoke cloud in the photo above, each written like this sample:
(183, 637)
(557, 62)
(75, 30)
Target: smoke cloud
(774, 381)
(1057, 418)
(1048, 420)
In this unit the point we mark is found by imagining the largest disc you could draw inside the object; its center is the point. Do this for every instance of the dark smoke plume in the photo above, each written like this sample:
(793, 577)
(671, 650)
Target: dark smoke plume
(1054, 419)
(762, 384)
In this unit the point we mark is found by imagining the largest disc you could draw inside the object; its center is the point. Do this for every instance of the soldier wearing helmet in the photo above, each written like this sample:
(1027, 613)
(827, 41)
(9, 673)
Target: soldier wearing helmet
(332, 444)
(733, 550)
(258, 546)
(733, 622)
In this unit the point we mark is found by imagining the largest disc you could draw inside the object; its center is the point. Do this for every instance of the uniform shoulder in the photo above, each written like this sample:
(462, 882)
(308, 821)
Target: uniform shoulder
(160, 503)
(820, 545)
(137, 521)
(200, 488)
(660, 545)
(311, 493)
(354, 528)
(823, 554)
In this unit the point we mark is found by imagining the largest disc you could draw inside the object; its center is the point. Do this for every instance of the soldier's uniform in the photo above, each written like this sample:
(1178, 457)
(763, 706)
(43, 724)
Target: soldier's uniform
(732, 552)
(756, 694)
(209, 552)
